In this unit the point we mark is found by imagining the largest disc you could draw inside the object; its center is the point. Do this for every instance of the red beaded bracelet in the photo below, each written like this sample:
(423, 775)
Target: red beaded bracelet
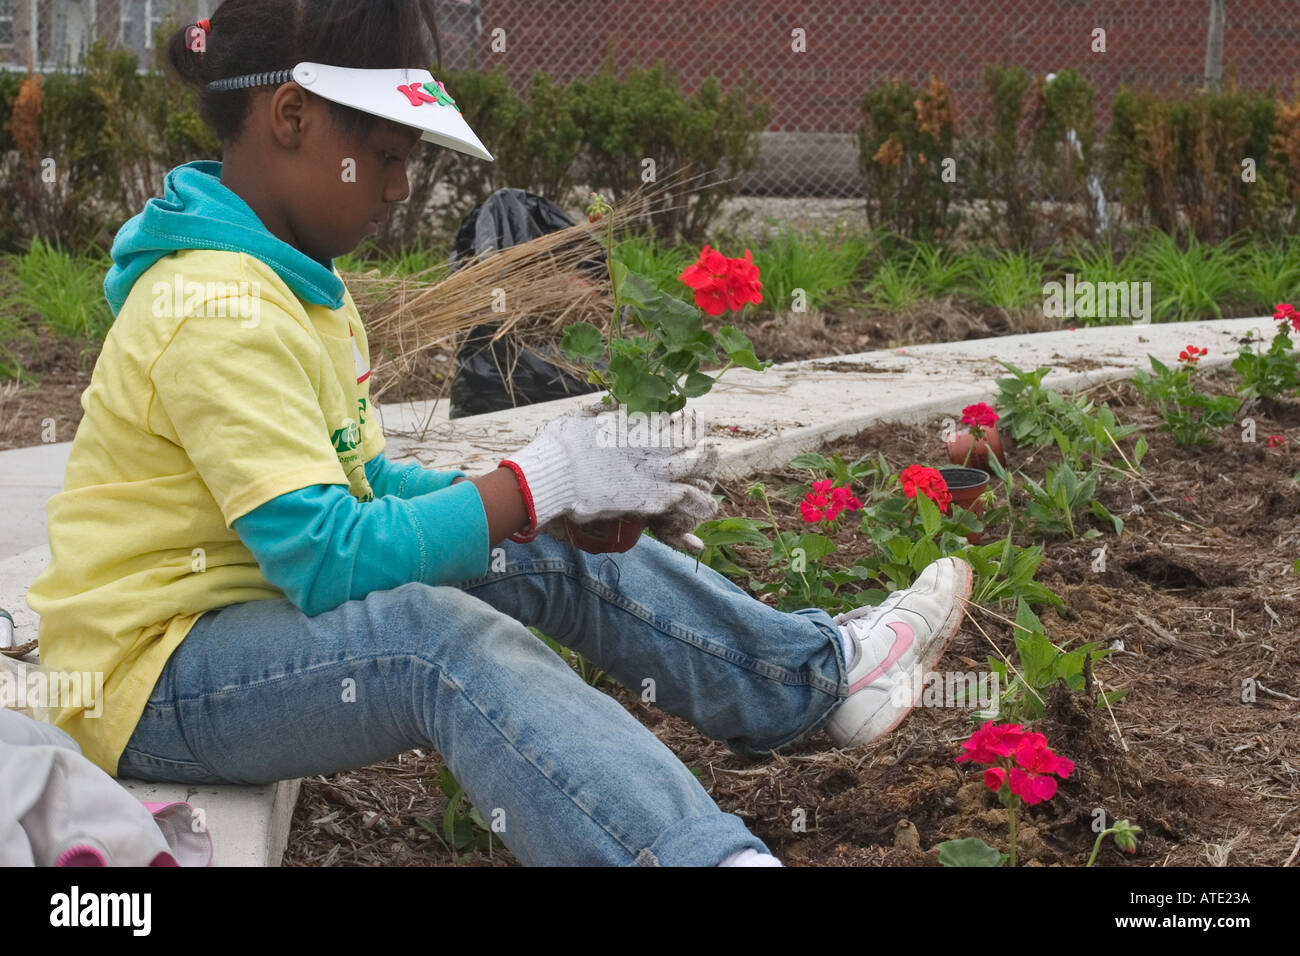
(522, 537)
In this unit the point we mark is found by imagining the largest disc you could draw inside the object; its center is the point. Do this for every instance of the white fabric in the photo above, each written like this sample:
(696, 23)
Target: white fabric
(846, 645)
(751, 857)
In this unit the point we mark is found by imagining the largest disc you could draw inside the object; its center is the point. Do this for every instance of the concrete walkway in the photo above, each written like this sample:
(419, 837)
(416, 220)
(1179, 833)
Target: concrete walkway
(778, 413)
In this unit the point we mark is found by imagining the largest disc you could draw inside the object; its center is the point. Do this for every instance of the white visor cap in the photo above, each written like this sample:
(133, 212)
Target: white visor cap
(409, 97)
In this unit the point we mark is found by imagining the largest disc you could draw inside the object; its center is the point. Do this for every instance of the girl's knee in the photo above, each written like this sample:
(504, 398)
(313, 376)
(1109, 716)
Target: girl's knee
(446, 626)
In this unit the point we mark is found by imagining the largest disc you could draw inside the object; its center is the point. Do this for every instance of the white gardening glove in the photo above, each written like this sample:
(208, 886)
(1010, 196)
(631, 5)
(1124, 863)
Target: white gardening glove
(675, 527)
(579, 467)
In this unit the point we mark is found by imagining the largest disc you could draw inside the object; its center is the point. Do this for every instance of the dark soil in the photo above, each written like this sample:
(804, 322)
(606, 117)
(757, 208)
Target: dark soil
(1198, 592)
(51, 409)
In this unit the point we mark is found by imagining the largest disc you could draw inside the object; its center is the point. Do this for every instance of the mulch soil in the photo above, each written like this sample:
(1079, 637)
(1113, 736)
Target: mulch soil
(1198, 598)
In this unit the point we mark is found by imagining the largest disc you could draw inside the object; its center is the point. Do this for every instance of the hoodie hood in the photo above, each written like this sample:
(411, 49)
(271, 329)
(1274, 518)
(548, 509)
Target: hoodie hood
(197, 212)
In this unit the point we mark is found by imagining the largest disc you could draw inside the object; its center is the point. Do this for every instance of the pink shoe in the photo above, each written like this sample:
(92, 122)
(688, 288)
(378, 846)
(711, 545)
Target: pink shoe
(893, 644)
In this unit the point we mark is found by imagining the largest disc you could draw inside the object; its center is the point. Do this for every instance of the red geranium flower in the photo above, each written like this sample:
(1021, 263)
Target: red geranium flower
(929, 482)
(817, 507)
(814, 504)
(1287, 313)
(843, 499)
(1033, 754)
(1191, 355)
(979, 415)
(1275, 441)
(721, 283)
(992, 741)
(1032, 780)
(744, 285)
(1032, 787)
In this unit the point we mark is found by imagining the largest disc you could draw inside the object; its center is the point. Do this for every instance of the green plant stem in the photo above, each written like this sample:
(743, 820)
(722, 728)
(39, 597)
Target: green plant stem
(776, 528)
(1097, 845)
(724, 368)
(615, 325)
(1011, 811)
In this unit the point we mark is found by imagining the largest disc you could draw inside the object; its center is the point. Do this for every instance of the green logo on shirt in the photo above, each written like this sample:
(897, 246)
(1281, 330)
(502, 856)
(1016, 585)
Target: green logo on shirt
(348, 437)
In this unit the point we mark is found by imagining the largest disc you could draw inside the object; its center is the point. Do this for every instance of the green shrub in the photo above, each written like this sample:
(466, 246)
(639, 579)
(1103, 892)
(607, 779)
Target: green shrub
(905, 135)
(1026, 157)
(629, 124)
(1178, 162)
(60, 170)
(536, 141)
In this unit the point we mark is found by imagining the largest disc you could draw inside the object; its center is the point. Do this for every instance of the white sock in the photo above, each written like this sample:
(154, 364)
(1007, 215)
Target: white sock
(846, 646)
(751, 857)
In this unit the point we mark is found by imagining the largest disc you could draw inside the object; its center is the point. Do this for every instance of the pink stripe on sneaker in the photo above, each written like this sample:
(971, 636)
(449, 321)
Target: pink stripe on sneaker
(903, 638)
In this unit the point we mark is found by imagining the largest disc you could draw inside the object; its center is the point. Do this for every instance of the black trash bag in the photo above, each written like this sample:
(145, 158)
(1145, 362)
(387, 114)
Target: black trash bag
(492, 376)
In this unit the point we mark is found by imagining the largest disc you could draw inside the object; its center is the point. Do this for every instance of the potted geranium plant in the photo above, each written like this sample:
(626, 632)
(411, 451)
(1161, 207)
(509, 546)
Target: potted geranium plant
(970, 446)
(653, 362)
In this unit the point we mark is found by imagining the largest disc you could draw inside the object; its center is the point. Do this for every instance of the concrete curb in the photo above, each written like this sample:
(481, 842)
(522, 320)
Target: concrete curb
(801, 404)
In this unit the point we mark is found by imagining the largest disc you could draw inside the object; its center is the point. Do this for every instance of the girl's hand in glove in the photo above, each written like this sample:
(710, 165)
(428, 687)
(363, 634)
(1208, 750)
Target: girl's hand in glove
(674, 528)
(580, 467)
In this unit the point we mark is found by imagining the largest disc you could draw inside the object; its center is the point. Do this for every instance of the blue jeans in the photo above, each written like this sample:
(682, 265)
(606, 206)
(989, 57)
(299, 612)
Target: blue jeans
(259, 692)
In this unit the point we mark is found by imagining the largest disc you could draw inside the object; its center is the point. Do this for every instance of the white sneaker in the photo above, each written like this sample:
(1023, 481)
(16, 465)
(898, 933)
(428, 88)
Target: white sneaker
(893, 645)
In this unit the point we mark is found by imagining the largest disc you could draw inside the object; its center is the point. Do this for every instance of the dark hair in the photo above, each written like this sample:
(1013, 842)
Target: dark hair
(259, 36)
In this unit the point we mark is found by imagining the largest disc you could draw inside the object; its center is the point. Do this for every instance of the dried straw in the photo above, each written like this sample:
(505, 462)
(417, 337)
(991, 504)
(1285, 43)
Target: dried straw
(539, 283)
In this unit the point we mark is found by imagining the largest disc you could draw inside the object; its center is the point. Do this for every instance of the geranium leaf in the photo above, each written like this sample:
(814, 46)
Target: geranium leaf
(636, 291)
(931, 519)
(635, 387)
(972, 851)
(733, 340)
(816, 546)
(678, 322)
(733, 531)
(747, 359)
(582, 341)
(696, 384)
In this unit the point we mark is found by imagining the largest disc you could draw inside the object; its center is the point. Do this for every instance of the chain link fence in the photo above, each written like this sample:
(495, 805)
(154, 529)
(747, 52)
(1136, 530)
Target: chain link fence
(810, 60)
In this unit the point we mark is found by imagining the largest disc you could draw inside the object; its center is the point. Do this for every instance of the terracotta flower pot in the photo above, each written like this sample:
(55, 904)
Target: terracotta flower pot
(967, 486)
(962, 443)
(613, 536)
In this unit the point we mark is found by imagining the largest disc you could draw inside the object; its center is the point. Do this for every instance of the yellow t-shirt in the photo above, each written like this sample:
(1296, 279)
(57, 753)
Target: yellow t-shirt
(217, 390)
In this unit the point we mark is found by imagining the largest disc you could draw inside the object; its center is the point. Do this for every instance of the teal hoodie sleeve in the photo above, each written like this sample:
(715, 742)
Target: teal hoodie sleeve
(322, 547)
(406, 481)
